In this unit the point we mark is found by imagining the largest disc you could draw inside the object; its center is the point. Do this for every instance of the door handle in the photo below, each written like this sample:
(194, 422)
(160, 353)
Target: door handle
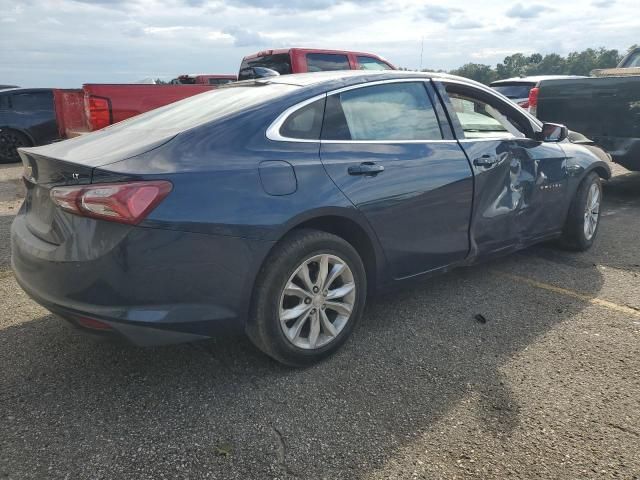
(485, 161)
(365, 168)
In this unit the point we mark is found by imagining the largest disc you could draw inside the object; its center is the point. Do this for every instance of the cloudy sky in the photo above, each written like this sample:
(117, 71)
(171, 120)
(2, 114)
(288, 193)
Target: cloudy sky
(69, 42)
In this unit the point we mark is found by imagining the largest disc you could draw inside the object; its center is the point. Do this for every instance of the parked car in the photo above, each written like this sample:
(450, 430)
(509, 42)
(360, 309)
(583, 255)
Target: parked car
(517, 89)
(27, 118)
(301, 60)
(276, 206)
(204, 79)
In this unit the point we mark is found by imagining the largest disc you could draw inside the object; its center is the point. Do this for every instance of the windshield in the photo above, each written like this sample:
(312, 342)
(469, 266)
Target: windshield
(633, 61)
(520, 90)
(205, 107)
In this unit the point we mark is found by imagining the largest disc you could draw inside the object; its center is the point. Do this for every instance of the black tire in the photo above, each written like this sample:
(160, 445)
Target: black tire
(573, 235)
(10, 141)
(264, 327)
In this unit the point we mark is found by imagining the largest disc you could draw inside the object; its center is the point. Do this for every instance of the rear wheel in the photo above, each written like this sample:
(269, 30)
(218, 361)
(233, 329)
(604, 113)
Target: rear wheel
(10, 141)
(583, 219)
(309, 295)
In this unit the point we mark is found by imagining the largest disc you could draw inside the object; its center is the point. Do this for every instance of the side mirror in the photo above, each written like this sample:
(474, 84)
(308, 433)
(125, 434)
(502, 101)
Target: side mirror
(553, 132)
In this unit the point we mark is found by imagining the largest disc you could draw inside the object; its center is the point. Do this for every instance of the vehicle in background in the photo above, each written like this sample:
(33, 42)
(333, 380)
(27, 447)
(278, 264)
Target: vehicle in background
(606, 109)
(629, 65)
(4, 87)
(27, 119)
(302, 60)
(96, 106)
(276, 207)
(204, 79)
(517, 89)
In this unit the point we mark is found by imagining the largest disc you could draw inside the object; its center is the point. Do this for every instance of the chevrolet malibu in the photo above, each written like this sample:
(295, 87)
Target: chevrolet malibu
(276, 206)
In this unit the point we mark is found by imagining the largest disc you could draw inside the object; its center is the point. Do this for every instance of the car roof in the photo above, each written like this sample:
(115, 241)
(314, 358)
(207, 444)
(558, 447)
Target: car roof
(352, 77)
(25, 90)
(534, 79)
(278, 51)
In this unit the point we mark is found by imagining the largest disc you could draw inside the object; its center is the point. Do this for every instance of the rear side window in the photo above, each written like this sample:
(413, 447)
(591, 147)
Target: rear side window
(388, 112)
(280, 62)
(305, 123)
(370, 63)
(28, 102)
(321, 62)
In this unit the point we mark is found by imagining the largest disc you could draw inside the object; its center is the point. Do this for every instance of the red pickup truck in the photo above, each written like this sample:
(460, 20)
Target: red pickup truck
(204, 79)
(96, 106)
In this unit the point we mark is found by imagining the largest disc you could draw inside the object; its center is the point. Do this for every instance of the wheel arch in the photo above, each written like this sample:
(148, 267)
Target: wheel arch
(22, 131)
(347, 224)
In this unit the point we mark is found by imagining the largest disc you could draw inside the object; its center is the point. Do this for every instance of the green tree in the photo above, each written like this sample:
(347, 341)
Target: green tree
(476, 71)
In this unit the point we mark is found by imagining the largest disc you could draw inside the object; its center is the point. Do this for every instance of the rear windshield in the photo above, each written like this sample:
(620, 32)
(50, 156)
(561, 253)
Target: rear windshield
(205, 107)
(519, 90)
(280, 62)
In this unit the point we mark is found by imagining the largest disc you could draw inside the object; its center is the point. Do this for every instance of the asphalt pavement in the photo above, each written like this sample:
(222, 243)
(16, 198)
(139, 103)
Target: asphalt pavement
(545, 383)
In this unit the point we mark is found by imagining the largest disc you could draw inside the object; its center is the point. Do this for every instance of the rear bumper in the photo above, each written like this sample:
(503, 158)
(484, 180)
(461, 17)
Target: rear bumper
(152, 286)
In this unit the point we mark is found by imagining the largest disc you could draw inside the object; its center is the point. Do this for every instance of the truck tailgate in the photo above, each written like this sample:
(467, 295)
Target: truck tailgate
(70, 112)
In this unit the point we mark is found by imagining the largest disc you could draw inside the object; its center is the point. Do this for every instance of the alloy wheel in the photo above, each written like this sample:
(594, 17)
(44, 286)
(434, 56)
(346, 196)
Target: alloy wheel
(317, 301)
(592, 211)
(9, 143)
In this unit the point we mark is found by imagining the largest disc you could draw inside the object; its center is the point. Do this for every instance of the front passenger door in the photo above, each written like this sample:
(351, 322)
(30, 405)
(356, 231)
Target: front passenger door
(383, 147)
(520, 182)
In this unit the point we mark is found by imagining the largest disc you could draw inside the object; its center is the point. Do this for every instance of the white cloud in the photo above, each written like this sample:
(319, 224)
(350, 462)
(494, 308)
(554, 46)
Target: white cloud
(70, 42)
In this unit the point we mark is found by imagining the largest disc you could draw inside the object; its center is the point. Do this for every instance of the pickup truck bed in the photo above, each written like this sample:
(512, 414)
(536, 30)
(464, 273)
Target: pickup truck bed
(95, 106)
(605, 109)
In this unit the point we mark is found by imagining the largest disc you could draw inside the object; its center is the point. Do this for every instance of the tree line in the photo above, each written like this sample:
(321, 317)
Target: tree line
(521, 65)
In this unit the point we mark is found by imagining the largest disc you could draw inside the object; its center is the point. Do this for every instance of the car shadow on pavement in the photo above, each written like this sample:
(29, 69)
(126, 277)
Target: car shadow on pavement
(71, 405)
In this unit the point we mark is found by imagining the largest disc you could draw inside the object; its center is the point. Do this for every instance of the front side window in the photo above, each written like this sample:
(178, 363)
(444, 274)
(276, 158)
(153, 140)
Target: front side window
(387, 112)
(479, 119)
(370, 63)
(322, 62)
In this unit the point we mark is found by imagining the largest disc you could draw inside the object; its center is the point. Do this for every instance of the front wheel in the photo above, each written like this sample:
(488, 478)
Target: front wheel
(309, 296)
(583, 219)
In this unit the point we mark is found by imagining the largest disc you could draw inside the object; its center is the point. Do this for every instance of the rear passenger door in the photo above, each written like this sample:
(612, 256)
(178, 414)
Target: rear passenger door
(383, 146)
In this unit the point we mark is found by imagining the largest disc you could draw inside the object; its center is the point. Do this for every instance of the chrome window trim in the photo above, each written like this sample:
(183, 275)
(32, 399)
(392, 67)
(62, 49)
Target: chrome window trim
(273, 131)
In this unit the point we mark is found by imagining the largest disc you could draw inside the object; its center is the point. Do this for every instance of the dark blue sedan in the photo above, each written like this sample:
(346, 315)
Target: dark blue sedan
(276, 206)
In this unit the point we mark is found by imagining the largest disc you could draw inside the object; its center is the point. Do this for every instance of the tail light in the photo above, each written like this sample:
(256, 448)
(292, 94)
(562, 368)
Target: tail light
(126, 203)
(99, 112)
(524, 104)
(533, 100)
